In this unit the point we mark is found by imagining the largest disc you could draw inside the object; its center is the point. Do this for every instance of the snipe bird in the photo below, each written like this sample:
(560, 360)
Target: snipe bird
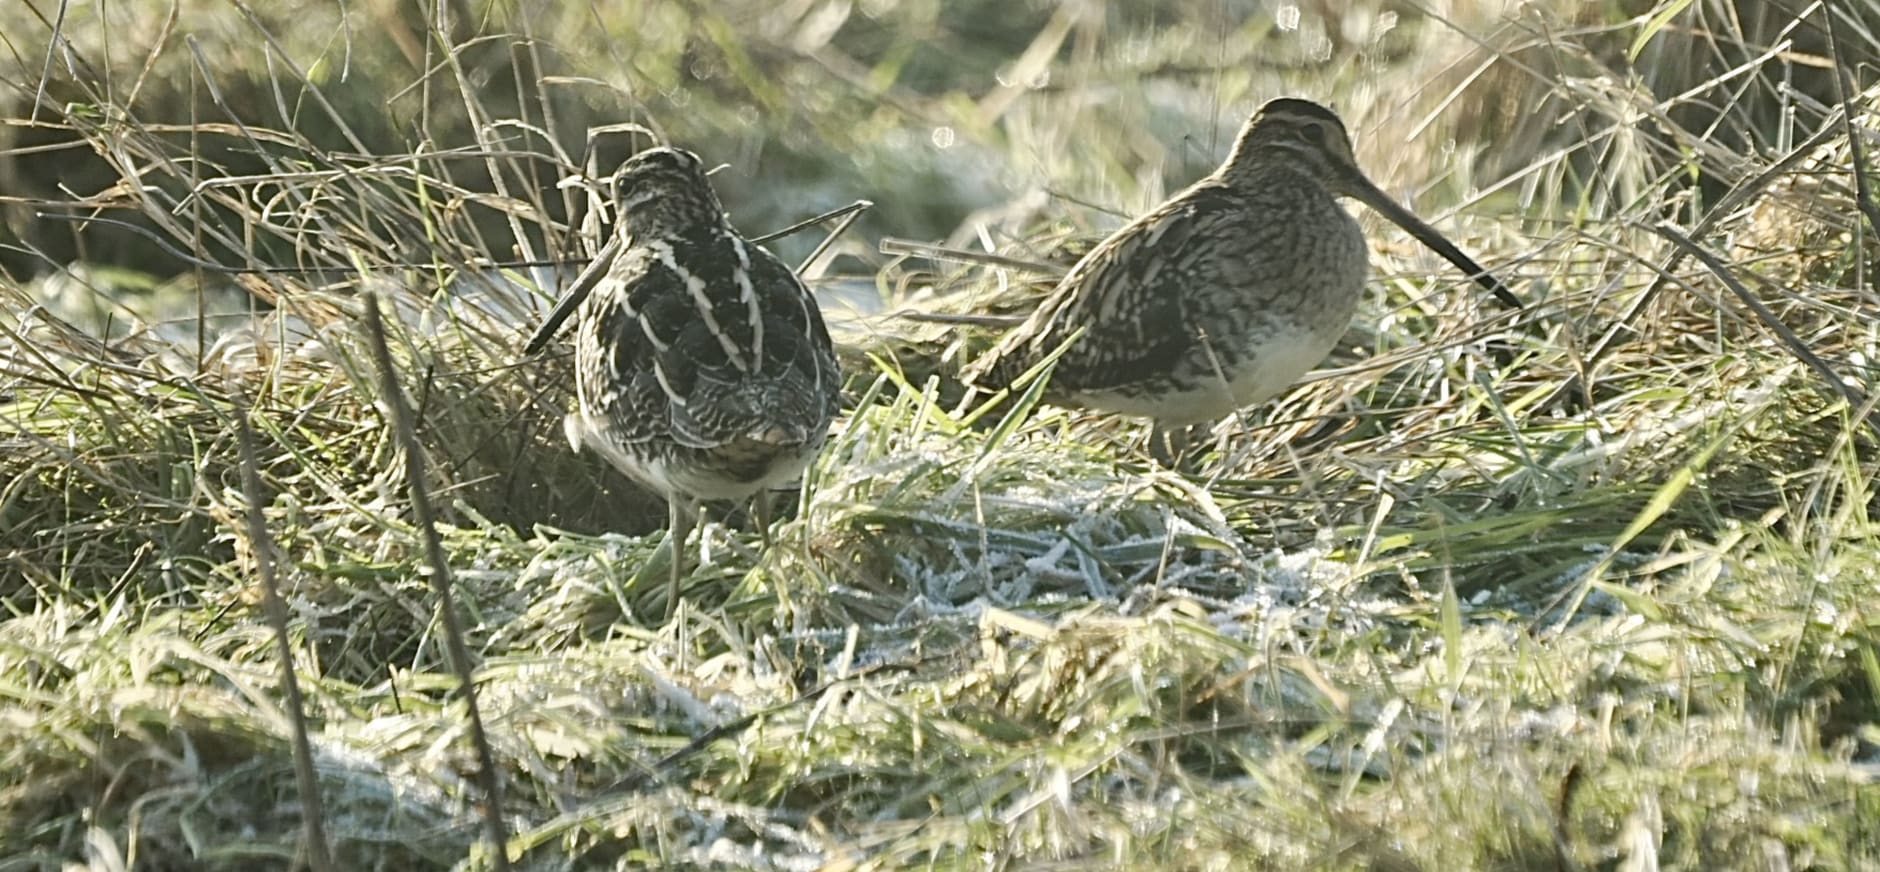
(1224, 295)
(703, 369)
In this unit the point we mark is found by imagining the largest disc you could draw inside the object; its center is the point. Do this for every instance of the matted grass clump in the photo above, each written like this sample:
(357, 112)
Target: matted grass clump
(1590, 585)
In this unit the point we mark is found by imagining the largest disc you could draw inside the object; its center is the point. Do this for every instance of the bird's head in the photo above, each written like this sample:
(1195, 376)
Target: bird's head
(1301, 133)
(1304, 136)
(663, 190)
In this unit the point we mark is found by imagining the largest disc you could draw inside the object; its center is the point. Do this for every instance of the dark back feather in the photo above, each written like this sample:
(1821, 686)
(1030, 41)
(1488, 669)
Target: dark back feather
(698, 337)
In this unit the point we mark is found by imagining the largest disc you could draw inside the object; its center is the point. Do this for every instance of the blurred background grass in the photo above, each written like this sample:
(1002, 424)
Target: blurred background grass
(936, 111)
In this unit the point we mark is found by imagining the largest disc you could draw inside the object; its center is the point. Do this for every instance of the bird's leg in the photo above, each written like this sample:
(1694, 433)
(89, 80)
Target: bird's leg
(1194, 445)
(760, 512)
(679, 528)
(1162, 446)
(1174, 448)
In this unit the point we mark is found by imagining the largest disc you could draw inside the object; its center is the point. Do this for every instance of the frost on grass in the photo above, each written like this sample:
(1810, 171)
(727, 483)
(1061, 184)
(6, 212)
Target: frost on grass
(1432, 609)
(1039, 522)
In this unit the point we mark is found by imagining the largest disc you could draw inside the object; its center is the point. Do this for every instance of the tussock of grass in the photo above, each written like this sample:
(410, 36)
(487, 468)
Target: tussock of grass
(1489, 592)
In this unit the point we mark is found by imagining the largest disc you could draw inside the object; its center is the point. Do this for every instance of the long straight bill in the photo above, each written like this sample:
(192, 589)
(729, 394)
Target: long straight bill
(583, 285)
(1371, 196)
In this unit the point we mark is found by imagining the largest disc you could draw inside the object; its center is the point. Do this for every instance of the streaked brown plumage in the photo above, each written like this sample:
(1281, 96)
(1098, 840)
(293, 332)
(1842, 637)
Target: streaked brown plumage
(703, 368)
(1224, 295)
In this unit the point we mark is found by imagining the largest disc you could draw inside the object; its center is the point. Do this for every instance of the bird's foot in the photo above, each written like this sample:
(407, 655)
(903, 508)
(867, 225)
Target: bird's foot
(1179, 449)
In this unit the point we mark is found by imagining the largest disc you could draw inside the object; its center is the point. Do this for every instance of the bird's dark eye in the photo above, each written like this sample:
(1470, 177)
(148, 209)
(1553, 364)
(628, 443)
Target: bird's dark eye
(1313, 133)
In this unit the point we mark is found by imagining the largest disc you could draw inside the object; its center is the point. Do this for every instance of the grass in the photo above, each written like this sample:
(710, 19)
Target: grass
(1487, 592)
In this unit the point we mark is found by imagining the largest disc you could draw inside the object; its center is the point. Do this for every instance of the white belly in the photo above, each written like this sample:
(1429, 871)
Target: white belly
(684, 480)
(1276, 365)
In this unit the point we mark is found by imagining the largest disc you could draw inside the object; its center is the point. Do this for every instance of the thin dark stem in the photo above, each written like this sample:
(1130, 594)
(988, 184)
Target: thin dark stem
(844, 216)
(1863, 192)
(1732, 201)
(911, 248)
(844, 212)
(394, 399)
(306, 779)
(1795, 344)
